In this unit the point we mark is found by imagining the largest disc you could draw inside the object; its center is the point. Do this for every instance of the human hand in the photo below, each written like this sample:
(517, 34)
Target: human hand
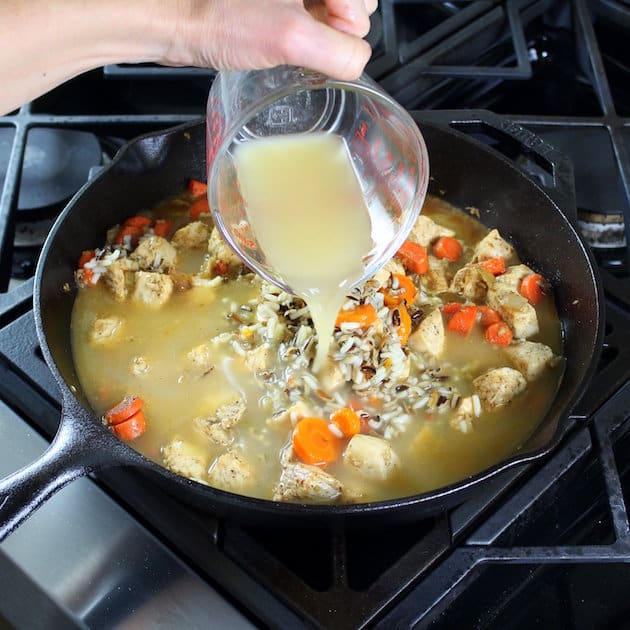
(324, 35)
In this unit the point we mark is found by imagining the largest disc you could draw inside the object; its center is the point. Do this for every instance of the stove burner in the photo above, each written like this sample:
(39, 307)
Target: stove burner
(56, 165)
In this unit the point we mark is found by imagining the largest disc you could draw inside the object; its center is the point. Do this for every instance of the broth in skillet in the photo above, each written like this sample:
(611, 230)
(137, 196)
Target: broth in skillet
(440, 366)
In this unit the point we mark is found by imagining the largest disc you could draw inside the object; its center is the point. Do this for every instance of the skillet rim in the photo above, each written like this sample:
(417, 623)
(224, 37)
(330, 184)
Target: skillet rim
(438, 498)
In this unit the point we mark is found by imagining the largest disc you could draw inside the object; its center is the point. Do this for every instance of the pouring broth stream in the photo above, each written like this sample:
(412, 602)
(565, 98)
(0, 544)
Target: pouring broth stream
(307, 209)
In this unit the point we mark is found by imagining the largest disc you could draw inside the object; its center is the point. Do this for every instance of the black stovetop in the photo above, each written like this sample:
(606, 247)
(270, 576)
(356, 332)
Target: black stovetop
(546, 543)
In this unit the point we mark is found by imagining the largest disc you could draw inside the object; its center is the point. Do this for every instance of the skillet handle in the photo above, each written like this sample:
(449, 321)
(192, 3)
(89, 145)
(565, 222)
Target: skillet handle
(560, 185)
(80, 447)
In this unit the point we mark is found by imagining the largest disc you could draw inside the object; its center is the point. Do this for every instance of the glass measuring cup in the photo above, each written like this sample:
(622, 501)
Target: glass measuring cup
(387, 150)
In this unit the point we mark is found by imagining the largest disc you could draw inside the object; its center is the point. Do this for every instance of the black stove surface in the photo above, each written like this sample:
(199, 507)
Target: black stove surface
(546, 543)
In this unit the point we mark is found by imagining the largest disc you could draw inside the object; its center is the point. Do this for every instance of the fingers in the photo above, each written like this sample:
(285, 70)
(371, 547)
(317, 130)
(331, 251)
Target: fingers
(350, 16)
(310, 43)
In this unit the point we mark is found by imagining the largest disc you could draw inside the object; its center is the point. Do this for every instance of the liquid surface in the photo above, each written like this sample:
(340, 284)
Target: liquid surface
(236, 338)
(306, 207)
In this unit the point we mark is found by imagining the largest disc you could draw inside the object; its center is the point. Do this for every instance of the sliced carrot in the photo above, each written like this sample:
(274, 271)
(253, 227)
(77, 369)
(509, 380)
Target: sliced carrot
(499, 334)
(495, 266)
(451, 308)
(449, 248)
(463, 321)
(133, 231)
(197, 188)
(220, 268)
(162, 227)
(404, 328)
(139, 221)
(199, 207)
(347, 420)
(533, 288)
(131, 428)
(489, 316)
(85, 257)
(126, 408)
(405, 292)
(314, 443)
(87, 275)
(363, 314)
(414, 257)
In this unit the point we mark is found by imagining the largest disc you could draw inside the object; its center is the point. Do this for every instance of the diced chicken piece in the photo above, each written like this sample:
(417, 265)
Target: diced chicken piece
(195, 235)
(429, 337)
(286, 418)
(530, 358)
(220, 250)
(493, 245)
(213, 431)
(231, 413)
(472, 282)
(301, 482)
(154, 253)
(116, 281)
(184, 459)
(373, 457)
(498, 387)
(517, 312)
(218, 426)
(201, 358)
(261, 358)
(513, 276)
(127, 264)
(331, 376)
(391, 266)
(139, 366)
(464, 415)
(436, 278)
(426, 230)
(230, 472)
(152, 288)
(105, 329)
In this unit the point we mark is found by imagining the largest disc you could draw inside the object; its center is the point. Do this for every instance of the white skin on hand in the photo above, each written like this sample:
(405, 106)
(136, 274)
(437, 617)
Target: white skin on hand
(47, 42)
(325, 36)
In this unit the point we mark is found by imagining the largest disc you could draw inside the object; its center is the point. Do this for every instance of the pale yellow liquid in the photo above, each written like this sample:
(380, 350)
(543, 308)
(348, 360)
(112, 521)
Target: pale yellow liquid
(307, 210)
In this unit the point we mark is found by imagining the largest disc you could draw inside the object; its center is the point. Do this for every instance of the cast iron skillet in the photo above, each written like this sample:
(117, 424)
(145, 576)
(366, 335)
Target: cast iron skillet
(154, 166)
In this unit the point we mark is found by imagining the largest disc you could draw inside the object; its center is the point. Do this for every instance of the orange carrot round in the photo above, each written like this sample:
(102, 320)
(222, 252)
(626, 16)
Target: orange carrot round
(532, 287)
(489, 316)
(87, 275)
(131, 428)
(363, 314)
(414, 257)
(133, 231)
(495, 266)
(405, 293)
(347, 421)
(314, 443)
(451, 308)
(499, 334)
(404, 328)
(463, 321)
(126, 408)
(85, 257)
(197, 188)
(199, 207)
(449, 248)
(139, 221)
(162, 227)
